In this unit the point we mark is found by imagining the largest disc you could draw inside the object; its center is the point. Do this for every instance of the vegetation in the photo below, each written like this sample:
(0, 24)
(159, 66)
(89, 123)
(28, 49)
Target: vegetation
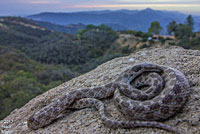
(35, 59)
(70, 29)
(172, 28)
(144, 46)
(190, 22)
(137, 33)
(184, 33)
(22, 79)
(155, 28)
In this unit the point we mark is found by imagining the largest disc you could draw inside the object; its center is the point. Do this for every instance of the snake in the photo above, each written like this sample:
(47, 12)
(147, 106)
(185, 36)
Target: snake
(146, 94)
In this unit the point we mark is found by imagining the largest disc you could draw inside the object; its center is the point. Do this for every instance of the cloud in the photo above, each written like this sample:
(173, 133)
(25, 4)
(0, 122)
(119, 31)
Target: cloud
(134, 5)
(159, 1)
(21, 2)
(12, 1)
(44, 2)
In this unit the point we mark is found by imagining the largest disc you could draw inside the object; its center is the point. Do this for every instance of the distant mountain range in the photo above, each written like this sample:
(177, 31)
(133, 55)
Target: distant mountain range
(70, 29)
(124, 19)
(73, 28)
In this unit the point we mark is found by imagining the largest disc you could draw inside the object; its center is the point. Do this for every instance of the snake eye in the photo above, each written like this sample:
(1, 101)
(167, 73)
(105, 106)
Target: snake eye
(137, 84)
(30, 119)
(32, 123)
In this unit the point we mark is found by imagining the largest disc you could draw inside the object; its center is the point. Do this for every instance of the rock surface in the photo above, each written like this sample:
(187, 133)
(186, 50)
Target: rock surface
(87, 121)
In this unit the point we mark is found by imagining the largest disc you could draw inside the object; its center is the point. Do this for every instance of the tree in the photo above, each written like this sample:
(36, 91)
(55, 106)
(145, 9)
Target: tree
(190, 21)
(155, 28)
(172, 27)
(183, 31)
(199, 27)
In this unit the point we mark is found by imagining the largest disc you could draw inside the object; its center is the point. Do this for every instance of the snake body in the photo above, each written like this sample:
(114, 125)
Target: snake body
(146, 93)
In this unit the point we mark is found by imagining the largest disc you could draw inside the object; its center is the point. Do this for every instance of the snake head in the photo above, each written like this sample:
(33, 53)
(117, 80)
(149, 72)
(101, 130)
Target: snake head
(33, 123)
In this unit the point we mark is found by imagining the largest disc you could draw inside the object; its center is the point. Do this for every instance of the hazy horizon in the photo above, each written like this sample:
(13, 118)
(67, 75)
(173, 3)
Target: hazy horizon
(28, 7)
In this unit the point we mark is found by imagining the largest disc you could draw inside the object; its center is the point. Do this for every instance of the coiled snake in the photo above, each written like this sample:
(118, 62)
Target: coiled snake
(146, 93)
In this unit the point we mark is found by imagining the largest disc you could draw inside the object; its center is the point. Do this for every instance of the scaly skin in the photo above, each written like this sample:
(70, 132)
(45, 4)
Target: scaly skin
(167, 91)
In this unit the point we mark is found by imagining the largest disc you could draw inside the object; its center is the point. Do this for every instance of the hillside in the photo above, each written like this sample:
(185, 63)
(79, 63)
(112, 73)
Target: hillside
(21, 79)
(130, 19)
(20, 33)
(88, 121)
(47, 46)
(34, 59)
(70, 29)
(73, 28)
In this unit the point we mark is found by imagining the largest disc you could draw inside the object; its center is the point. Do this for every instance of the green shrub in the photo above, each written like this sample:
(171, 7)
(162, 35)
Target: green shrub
(144, 46)
(126, 50)
(172, 43)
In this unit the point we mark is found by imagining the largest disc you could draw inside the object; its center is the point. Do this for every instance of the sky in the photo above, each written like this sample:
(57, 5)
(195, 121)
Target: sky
(28, 7)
